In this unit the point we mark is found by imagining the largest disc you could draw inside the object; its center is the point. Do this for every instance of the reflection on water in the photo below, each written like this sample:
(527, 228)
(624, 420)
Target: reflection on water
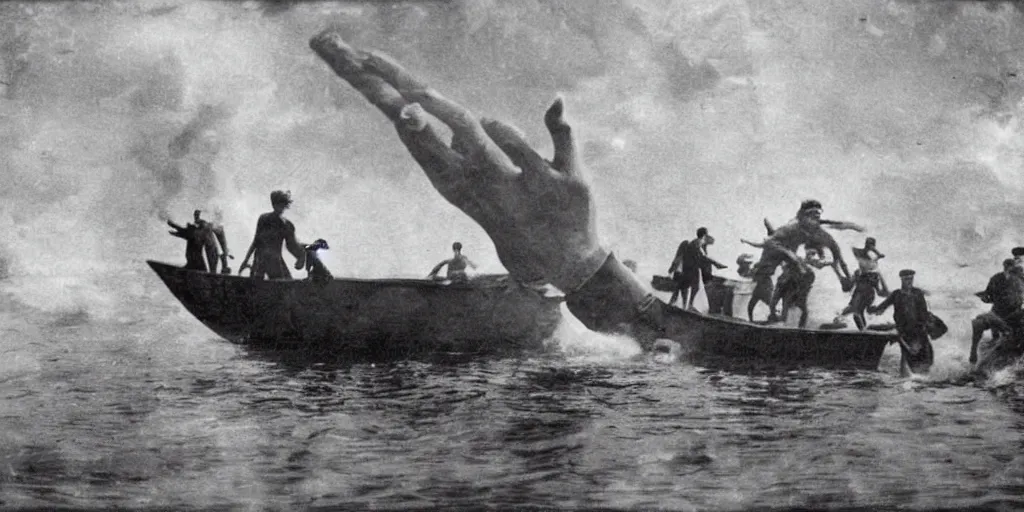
(147, 409)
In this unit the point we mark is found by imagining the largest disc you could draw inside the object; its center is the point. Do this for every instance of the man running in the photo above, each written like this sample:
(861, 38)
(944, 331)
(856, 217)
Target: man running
(316, 271)
(807, 230)
(1005, 291)
(910, 313)
(794, 286)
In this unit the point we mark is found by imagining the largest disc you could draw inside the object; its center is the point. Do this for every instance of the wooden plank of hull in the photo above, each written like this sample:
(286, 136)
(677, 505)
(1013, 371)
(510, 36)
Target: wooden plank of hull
(391, 317)
(719, 340)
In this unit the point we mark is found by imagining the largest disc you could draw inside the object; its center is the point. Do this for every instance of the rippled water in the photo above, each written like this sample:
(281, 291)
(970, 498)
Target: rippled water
(131, 403)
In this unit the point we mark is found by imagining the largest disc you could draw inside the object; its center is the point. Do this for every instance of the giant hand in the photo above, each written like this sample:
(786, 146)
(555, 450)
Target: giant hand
(538, 213)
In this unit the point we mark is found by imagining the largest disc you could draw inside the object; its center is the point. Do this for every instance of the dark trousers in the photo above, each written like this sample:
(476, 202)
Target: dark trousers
(916, 350)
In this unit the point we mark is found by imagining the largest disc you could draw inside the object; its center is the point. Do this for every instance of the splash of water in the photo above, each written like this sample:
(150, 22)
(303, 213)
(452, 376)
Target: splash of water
(577, 342)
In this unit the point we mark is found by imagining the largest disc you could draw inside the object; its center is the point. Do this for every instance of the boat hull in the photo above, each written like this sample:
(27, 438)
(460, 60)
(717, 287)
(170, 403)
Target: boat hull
(715, 340)
(379, 317)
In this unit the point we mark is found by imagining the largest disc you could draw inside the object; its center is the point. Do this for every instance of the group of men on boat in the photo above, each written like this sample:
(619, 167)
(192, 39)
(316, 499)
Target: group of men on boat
(690, 268)
(274, 231)
(914, 323)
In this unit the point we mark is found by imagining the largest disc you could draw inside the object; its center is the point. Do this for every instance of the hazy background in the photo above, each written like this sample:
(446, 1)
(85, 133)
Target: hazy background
(904, 116)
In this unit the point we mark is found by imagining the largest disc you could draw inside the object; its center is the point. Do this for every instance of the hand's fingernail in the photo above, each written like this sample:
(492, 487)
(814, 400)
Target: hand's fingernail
(413, 117)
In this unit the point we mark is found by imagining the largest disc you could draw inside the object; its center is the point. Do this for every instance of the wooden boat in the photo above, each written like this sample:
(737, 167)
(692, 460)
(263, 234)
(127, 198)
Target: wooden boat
(722, 341)
(394, 318)
(719, 338)
(368, 317)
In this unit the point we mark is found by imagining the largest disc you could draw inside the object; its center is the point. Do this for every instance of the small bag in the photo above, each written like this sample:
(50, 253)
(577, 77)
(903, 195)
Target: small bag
(664, 284)
(936, 327)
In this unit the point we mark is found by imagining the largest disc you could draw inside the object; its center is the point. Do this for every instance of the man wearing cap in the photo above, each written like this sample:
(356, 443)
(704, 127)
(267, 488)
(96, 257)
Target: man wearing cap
(686, 268)
(867, 282)
(910, 313)
(272, 229)
(1018, 256)
(1005, 291)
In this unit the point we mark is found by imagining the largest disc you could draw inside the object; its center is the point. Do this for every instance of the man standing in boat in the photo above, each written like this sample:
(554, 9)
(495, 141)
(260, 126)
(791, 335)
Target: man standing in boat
(689, 263)
(193, 245)
(910, 313)
(215, 244)
(456, 266)
(1005, 291)
(272, 229)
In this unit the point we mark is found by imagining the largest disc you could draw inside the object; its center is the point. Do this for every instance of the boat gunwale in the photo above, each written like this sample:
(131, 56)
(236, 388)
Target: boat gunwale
(160, 268)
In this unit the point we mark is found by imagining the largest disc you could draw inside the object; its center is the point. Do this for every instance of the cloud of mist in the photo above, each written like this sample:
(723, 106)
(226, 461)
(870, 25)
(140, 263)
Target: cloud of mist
(903, 116)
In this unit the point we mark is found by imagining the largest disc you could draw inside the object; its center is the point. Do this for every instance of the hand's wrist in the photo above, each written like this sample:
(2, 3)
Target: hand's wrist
(610, 298)
(579, 270)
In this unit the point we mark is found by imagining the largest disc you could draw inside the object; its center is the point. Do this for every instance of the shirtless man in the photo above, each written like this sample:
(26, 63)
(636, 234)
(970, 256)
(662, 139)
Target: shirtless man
(272, 229)
(456, 266)
(867, 282)
(794, 286)
(805, 229)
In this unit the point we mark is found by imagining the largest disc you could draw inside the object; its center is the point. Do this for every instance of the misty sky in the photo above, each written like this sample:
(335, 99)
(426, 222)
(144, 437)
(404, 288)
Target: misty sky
(904, 116)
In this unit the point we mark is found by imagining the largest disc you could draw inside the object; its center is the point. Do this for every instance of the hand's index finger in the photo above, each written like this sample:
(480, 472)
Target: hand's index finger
(425, 145)
(463, 123)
